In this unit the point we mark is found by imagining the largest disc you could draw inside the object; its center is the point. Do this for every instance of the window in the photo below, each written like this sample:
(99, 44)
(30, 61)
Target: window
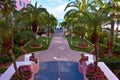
(20, 3)
(24, 4)
(14, 2)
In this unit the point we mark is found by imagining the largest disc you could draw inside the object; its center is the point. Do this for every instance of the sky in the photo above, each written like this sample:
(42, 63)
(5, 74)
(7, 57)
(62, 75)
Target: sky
(55, 7)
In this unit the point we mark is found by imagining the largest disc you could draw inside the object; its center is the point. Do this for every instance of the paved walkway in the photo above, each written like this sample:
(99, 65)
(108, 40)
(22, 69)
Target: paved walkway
(58, 50)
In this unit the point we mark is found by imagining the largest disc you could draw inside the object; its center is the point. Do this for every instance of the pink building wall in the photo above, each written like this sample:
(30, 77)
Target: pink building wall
(22, 3)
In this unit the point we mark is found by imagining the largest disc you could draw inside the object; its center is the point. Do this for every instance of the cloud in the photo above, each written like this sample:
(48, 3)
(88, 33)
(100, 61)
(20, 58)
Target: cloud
(55, 7)
(56, 1)
(58, 11)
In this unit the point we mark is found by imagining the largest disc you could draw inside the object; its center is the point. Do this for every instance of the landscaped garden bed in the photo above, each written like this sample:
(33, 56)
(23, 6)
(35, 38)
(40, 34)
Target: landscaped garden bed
(35, 46)
(25, 73)
(42, 45)
(6, 60)
(76, 41)
(92, 74)
(82, 45)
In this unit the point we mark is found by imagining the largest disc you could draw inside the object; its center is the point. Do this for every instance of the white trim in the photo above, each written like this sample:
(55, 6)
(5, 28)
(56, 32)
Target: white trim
(10, 71)
(108, 73)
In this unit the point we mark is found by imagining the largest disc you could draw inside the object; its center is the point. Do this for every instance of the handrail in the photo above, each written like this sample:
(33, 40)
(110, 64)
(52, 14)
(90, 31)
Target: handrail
(108, 73)
(10, 71)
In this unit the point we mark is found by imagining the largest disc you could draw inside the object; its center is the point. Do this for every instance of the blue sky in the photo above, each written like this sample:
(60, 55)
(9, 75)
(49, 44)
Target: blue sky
(55, 7)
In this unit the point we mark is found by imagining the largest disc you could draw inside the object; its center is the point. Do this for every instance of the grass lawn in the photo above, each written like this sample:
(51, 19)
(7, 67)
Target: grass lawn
(41, 40)
(77, 40)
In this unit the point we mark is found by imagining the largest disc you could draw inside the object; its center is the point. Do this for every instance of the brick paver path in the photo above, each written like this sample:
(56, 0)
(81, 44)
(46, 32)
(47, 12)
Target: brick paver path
(58, 50)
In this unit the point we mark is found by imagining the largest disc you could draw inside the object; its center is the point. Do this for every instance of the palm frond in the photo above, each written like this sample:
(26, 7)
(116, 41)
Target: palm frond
(71, 4)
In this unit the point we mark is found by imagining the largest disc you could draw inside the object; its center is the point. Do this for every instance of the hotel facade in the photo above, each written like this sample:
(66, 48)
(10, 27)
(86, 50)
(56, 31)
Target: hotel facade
(22, 3)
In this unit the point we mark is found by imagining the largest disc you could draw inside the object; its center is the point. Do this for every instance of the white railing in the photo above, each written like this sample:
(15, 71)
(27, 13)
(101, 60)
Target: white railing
(10, 71)
(108, 73)
(7, 75)
(26, 57)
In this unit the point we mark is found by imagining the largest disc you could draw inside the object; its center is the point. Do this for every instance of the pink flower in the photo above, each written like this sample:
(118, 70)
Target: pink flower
(91, 73)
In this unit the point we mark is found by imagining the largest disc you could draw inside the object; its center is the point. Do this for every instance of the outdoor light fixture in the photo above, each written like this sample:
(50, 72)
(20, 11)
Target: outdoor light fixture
(58, 78)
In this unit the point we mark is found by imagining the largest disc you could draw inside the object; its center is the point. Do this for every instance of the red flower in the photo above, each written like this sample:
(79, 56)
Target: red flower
(93, 75)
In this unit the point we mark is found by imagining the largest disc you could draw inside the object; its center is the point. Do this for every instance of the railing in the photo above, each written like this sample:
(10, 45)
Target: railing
(7, 75)
(10, 71)
(108, 73)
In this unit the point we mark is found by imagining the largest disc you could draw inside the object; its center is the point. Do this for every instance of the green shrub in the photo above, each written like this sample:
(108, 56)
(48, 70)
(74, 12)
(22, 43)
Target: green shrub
(104, 37)
(103, 50)
(113, 64)
(23, 37)
(2, 70)
(17, 51)
(5, 57)
(0, 44)
(111, 60)
(116, 48)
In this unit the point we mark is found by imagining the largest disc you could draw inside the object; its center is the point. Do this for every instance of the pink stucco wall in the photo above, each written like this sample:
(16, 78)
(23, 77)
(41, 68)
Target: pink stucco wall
(22, 3)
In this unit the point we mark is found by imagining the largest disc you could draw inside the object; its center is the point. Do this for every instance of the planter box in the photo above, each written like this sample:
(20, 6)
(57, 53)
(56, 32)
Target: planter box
(10, 71)
(107, 72)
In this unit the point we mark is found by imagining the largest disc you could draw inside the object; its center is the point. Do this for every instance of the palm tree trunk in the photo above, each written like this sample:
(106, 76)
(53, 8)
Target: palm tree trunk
(117, 33)
(95, 39)
(82, 37)
(111, 39)
(34, 28)
(96, 54)
(8, 46)
(48, 32)
(14, 63)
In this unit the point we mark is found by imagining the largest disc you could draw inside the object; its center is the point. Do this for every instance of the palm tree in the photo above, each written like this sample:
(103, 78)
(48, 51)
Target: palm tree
(49, 23)
(78, 7)
(7, 27)
(94, 14)
(114, 10)
(70, 23)
(7, 7)
(6, 33)
(33, 16)
(94, 19)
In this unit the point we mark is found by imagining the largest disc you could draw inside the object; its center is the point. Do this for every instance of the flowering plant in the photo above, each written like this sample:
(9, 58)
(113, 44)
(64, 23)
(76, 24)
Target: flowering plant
(25, 73)
(92, 74)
